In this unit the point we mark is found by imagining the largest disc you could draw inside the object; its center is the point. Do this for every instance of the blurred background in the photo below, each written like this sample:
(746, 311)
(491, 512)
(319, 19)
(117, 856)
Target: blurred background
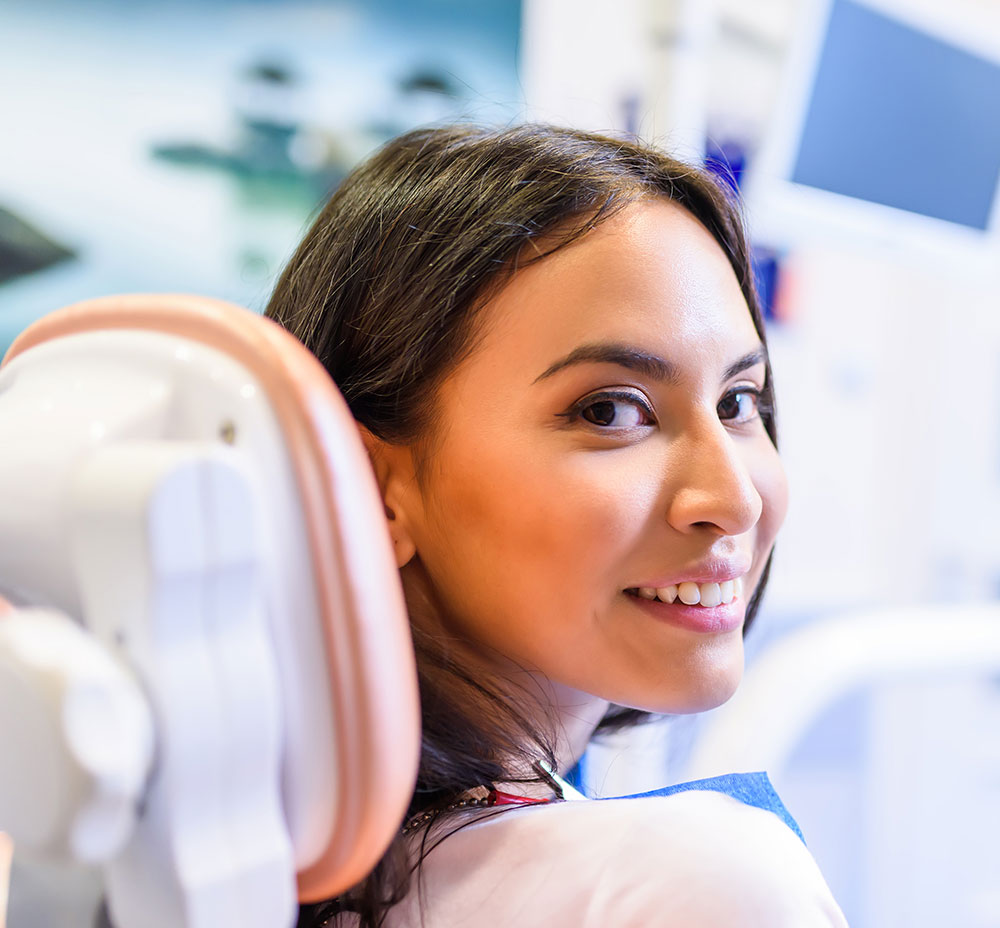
(185, 146)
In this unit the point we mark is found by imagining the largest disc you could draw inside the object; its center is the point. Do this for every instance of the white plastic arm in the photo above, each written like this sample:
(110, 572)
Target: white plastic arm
(794, 681)
(84, 737)
(164, 539)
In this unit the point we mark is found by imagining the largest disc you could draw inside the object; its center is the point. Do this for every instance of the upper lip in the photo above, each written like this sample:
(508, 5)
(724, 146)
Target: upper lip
(713, 570)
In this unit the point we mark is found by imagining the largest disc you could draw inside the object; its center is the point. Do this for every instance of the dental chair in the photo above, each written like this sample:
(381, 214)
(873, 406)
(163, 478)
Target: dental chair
(207, 686)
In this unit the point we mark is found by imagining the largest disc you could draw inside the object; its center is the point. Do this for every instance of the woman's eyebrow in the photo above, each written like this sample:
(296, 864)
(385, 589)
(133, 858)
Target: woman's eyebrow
(650, 365)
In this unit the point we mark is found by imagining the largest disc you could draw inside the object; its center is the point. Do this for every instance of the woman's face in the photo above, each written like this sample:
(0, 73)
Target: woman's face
(601, 442)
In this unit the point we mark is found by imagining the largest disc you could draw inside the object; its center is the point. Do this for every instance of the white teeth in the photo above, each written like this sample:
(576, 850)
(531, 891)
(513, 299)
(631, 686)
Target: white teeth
(711, 595)
(666, 594)
(692, 594)
(689, 593)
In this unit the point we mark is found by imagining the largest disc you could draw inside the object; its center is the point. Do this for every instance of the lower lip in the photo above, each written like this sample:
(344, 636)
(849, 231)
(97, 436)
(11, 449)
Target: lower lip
(726, 617)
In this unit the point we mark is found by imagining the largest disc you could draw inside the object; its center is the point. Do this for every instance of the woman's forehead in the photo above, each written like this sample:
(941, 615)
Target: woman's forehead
(651, 277)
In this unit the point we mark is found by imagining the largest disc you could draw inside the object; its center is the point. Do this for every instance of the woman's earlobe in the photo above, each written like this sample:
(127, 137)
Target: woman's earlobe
(403, 548)
(403, 545)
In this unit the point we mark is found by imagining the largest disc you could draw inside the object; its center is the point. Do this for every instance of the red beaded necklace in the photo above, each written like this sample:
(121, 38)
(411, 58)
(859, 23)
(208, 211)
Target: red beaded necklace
(478, 797)
(486, 797)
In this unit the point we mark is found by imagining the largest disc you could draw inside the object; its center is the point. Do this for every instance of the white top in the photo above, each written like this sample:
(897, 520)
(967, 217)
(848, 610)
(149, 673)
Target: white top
(698, 858)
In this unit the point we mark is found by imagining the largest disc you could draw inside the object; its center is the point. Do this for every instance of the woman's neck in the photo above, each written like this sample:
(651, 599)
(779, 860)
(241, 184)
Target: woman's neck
(571, 717)
(569, 714)
(576, 716)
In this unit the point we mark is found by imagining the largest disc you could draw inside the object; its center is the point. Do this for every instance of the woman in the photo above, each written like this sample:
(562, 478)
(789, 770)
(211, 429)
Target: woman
(551, 343)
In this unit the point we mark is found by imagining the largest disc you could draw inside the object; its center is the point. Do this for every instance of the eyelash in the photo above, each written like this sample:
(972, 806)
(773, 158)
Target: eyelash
(575, 414)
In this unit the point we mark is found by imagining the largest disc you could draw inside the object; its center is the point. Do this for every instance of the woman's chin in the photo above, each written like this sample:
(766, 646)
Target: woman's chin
(696, 693)
(708, 699)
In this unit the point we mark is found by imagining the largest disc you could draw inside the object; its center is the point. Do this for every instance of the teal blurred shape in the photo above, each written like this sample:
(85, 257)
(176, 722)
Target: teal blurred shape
(24, 249)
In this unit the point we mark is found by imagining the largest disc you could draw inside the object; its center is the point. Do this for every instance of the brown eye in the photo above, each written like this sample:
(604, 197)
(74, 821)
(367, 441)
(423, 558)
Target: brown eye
(602, 413)
(618, 411)
(740, 405)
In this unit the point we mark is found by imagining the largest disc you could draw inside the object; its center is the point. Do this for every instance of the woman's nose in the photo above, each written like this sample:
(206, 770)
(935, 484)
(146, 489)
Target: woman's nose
(711, 485)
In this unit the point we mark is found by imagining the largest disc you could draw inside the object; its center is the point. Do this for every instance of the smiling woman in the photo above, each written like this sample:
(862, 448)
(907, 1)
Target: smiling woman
(552, 347)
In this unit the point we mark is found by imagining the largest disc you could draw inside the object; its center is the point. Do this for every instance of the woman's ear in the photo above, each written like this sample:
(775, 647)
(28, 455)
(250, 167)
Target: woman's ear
(396, 477)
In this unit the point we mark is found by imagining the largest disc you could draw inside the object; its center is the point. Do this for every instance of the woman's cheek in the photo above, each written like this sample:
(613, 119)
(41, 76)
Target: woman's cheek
(601, 512)
(773, 489)
(772, 485)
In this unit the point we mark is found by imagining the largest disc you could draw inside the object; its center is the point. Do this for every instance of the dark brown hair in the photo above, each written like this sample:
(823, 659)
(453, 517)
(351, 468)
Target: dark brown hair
(385, 291)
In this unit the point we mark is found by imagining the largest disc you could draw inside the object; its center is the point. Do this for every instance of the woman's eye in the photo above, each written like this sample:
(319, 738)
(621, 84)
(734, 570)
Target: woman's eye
(615, 411)
(740, 405)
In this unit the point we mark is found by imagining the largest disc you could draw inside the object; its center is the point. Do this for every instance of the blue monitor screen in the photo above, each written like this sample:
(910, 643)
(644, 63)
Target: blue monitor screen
(901, 118)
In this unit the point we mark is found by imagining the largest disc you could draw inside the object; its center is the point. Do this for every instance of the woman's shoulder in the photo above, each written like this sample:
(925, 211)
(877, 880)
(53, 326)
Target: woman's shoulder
(698, 857)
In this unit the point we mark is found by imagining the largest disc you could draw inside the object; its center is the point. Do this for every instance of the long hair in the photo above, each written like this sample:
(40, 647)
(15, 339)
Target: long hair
(385, 290)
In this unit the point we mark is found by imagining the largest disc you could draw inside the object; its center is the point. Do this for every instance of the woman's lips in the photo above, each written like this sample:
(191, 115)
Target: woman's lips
(725, 617)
